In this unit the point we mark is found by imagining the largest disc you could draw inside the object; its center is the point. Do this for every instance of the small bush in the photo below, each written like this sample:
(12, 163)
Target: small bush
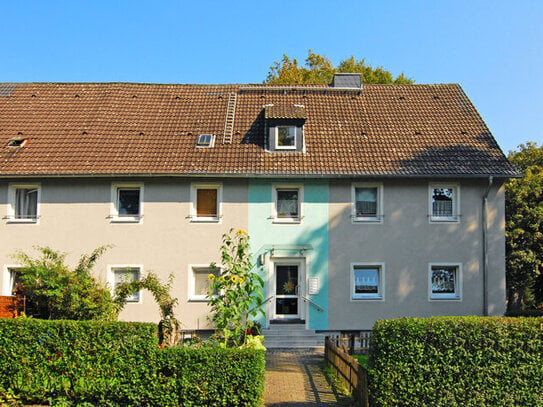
(457, 361)
(120, 364)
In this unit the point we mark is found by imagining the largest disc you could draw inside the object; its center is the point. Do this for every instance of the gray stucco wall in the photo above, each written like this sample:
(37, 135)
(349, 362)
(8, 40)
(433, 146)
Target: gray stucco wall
(74, 218)
(406, 242)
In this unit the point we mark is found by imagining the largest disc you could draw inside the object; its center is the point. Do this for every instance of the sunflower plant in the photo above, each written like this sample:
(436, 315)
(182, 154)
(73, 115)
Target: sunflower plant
(234, 292)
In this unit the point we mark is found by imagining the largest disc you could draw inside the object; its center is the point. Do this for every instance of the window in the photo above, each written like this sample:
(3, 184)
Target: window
(367, 202)
(205, 141)
(444, 281)
(24, 200)
(200, 281)
(127, 199)
(12, 284)
(285, 137)
(367, 281)
(444, 203)
(287, 203)
(126, 274)
(206, 202)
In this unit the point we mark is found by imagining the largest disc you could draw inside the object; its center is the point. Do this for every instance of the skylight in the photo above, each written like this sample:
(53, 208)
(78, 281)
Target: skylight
(205, 140)
(18, 142)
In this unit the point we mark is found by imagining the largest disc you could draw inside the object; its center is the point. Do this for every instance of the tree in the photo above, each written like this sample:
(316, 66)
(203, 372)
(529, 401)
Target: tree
(319, 69)
(235, 291)
(54, 291)
(524, 229)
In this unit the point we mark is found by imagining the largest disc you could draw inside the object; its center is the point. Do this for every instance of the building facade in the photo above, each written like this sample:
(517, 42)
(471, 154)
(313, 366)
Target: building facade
(361, 202)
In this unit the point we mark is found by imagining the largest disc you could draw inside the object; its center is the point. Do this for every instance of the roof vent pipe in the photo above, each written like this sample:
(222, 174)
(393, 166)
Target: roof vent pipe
(347, 80)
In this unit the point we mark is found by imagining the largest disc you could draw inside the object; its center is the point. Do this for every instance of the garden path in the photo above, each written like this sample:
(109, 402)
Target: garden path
(295, 379)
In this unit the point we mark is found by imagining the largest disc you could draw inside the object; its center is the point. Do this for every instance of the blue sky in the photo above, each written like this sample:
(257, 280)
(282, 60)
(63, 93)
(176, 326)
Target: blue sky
(493, 48)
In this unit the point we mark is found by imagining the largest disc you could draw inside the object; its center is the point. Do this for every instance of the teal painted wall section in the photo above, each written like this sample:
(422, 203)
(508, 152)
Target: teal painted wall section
(313, 230)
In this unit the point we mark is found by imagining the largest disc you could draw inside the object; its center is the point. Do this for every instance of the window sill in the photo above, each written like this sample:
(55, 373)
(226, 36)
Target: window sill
(195, 219)
(198, 298)
(367, 220)
(287, 220)
(445, 298)
(22, 220)
(437, 219)
(368, 298)
(127, 219)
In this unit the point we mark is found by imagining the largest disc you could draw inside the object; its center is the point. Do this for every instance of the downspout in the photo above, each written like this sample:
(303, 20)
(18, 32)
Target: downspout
(485, 246)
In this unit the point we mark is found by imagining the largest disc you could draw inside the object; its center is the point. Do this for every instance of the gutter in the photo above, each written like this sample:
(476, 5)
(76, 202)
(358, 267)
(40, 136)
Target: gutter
(485, 246)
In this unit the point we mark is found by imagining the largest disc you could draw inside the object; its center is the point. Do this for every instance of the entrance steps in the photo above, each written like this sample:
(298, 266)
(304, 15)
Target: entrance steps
(291, 336)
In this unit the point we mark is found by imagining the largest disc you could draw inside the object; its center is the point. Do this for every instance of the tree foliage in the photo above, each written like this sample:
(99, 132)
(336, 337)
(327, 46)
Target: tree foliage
(524, 228)
(235, 292)
(319, 69)
(54, 291)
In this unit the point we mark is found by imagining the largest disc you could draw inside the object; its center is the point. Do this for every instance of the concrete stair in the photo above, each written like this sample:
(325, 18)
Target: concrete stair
(291, 336)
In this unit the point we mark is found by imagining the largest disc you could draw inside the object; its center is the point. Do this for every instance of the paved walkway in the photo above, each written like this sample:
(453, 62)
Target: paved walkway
(295, 379)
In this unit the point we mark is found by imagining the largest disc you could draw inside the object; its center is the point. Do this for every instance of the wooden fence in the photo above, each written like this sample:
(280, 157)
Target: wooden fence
(353, 343)
(353, 376)
(11, 306)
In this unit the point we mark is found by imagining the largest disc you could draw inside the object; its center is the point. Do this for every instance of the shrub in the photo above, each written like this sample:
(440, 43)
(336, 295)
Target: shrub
(457, 361)
(119, 364)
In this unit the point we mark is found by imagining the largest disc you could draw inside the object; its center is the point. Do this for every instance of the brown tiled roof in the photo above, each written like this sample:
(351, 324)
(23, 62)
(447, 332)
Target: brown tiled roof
(285, 112)
(148, 129)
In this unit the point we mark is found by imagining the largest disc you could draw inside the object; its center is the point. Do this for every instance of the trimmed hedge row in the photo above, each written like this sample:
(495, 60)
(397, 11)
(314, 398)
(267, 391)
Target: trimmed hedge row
(120, 364)
(457, 361)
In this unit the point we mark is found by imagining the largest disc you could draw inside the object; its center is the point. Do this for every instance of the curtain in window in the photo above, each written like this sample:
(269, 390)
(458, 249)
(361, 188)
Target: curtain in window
(443, 280)
(366, 202)
(26, 203)
(442, 202)
(366, 281)
(206, 203)
(287, 203)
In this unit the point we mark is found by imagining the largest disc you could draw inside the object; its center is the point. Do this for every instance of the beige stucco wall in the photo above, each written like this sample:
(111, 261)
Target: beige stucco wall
(74, 218)
(405, 243)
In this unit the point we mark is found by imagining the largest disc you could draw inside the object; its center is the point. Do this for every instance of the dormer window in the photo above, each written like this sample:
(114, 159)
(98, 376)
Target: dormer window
(285, 127)
(205, 141)
(285, 137)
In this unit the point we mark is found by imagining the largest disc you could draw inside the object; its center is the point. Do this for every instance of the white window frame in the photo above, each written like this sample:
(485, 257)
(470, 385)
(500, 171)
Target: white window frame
(200, 141)
(115, 216)
(192, 296)
(279, 147)
(12, 193)
(455, 218)
(8, 279)
(457, 296)
(300, 189)
(111, 278)
(367, 219)
(194, 198)
(380, 296)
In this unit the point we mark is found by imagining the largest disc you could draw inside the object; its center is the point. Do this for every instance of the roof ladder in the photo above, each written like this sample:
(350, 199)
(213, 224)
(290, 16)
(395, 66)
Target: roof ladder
(229, 122)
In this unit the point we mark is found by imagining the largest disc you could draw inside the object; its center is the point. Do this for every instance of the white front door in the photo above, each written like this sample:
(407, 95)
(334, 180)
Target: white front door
(287, 291)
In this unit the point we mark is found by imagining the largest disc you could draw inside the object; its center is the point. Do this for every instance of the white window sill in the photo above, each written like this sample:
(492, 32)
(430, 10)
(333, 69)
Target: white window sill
(439, 219)
(125, 219)
(368, 220)
(287, 220)
(368, 298)
(198, 298)
(445, 298)
(196, 219)
(22, 220)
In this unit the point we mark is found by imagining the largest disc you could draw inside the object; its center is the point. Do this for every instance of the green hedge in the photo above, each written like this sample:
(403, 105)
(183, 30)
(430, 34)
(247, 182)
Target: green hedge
(120, 364)
(457, 361)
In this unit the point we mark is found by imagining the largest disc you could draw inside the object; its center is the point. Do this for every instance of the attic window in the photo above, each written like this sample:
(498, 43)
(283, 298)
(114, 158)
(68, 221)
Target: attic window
(18, 142)
(205, 141)
(285, 137)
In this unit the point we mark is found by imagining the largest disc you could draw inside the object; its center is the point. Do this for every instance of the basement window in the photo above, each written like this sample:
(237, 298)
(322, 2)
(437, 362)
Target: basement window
(205, 141)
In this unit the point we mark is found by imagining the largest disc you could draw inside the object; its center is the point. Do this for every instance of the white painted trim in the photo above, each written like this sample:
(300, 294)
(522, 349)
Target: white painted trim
(300, 189)
(194, 187)
(293, 147)
(111, 278)
(380, 296)
(114, 208)
(458, 283)
(192, 297)
(456, 203)
(12, 187)
(301, 262)
(374, 219)
(7, 278)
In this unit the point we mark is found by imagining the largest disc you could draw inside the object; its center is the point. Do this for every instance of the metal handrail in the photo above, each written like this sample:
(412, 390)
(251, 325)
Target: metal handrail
(268, 299)
(319, 308)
